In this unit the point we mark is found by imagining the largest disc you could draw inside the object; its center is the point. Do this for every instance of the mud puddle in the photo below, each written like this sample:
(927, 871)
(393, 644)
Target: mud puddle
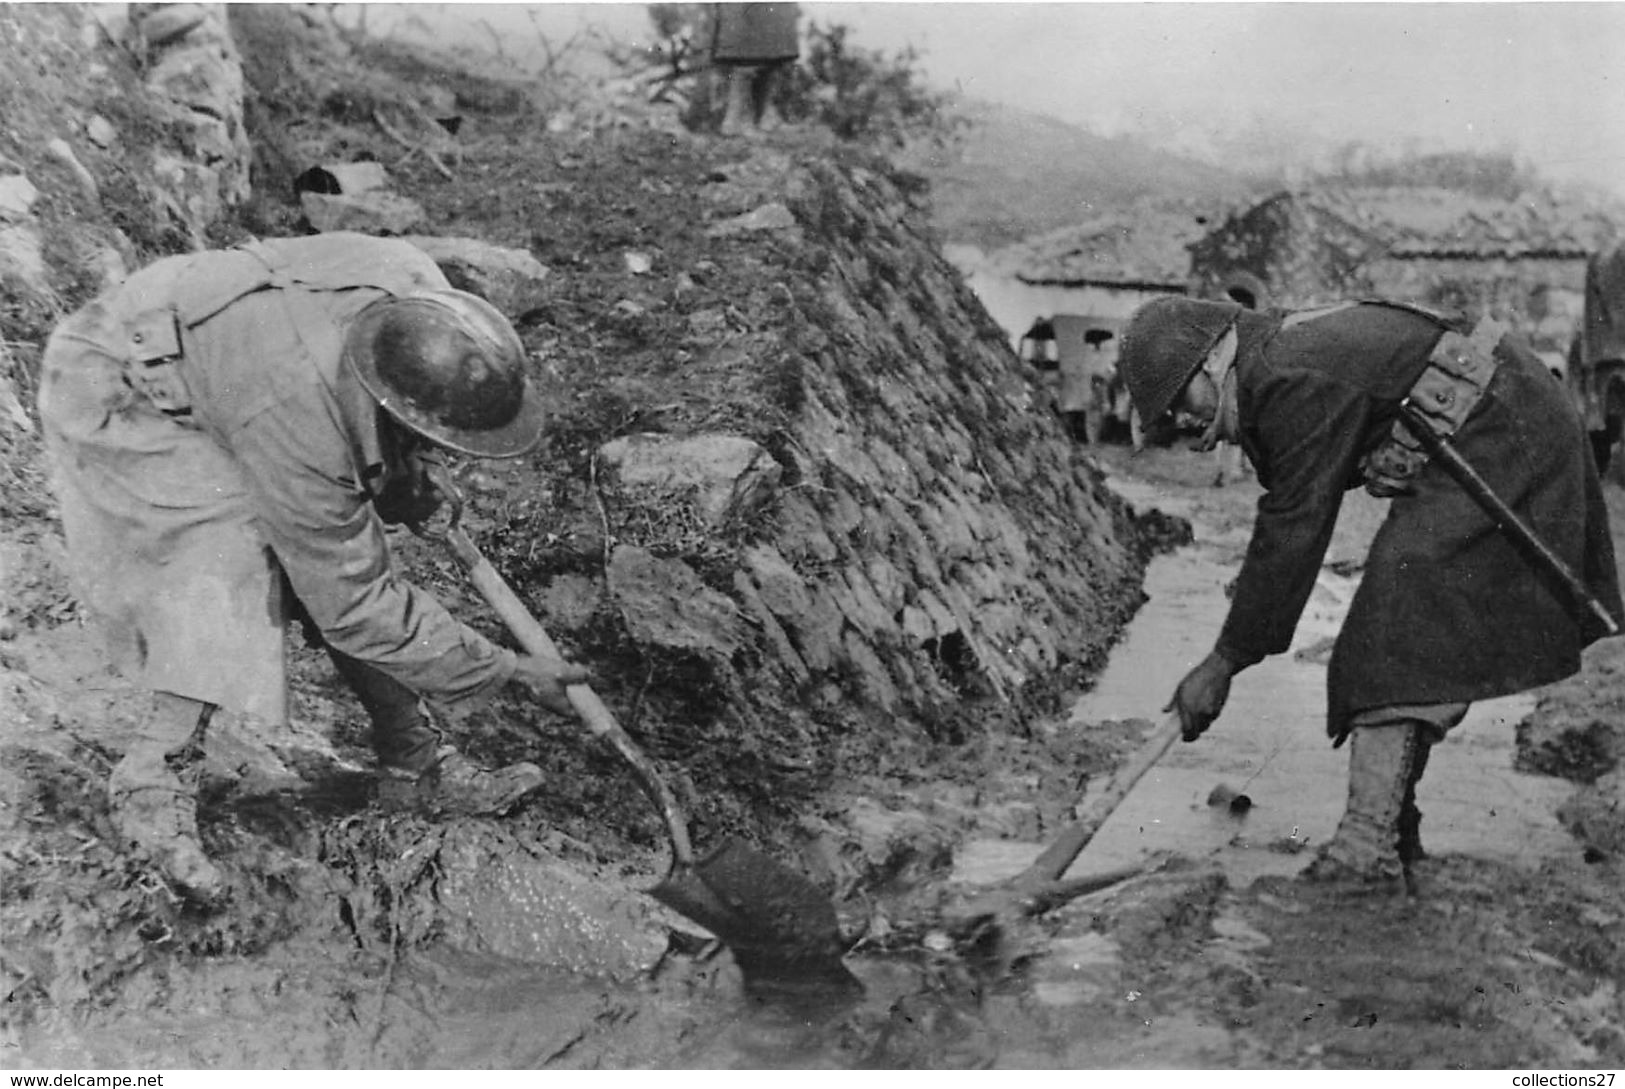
(1164, 971)
(1271, 745)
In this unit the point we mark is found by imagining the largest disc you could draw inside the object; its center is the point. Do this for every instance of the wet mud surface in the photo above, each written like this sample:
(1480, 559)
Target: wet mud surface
(365, 940)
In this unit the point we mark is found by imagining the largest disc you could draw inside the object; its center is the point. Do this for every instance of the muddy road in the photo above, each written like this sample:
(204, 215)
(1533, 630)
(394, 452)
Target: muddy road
(1510, 954)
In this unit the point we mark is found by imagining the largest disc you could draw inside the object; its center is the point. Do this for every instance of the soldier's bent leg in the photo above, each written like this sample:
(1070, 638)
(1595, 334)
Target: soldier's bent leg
(1410, 817)
(420, 768)
(402, 734)
(739, 110)
(1365, 846)
(152, 793)
(764, 80)
(1432, 722)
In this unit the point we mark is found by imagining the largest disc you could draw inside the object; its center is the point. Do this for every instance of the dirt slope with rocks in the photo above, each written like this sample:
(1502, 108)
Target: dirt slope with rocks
(793, 505)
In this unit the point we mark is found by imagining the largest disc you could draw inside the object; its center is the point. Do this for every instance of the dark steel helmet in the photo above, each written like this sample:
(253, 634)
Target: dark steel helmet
(1164, 345)
(449, 366)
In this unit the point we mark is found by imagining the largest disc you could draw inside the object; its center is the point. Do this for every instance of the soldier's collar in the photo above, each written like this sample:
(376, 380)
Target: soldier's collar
(1220, 366)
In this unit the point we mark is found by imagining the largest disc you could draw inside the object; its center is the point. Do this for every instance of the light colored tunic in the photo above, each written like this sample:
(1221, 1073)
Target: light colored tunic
(182, 524)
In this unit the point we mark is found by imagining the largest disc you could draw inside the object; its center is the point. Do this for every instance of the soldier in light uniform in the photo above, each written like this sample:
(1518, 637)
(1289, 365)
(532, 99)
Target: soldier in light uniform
(229, 432)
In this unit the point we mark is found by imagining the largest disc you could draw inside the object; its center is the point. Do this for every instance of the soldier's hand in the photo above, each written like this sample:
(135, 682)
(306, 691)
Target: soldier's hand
(548, 678)
(1201, 696)
(409, 495)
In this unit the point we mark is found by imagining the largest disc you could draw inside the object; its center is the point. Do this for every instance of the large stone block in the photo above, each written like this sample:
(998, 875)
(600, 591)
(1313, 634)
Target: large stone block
(726, 476)
(665, 604)
(376, 212)
(22, 261)
(512, 280)
(17, 197)
(783, 591)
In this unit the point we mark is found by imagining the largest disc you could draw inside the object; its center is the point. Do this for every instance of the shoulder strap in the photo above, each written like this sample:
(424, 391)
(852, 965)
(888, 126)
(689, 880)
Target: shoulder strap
(1299, 317)
(346, 259)
(1454, 321)
(328, 262)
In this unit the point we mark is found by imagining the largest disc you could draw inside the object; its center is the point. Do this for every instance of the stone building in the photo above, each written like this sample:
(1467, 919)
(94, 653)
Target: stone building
(1104, 267)
(1522, 260)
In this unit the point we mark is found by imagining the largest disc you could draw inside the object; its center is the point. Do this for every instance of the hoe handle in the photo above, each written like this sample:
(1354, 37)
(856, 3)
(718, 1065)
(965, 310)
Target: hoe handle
(1058, 857)
(1535, 549)
(594, 715)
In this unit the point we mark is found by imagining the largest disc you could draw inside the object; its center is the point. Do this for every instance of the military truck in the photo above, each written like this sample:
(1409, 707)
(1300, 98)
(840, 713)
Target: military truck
(1077, 356)
(1596, 363)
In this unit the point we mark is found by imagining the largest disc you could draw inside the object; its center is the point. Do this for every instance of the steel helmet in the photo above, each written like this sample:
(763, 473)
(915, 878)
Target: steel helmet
(449, 366)
(1164, 345)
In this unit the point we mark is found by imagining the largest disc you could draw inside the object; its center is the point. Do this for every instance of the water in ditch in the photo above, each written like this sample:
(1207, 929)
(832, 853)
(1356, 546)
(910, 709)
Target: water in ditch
(1270, 744)
(441, 1008)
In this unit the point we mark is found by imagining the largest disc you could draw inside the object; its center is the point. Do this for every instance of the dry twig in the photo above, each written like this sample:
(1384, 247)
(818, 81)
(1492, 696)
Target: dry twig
(412, 148)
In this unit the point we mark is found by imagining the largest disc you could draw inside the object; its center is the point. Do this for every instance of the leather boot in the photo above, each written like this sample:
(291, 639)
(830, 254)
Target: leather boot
(1364, 849)
(456, 786)
(1410, 817)
(152, 794)
(762, 85)
(421, 771)
(402, 734)
(739, 114)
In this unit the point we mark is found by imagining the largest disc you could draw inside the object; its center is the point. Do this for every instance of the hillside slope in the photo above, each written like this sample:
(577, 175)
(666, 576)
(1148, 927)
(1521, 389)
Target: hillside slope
(1064, 175)
(794, 507)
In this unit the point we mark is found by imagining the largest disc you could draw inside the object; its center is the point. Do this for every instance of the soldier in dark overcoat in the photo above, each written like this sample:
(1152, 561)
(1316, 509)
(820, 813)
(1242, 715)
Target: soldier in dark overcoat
(1449, 610)
(752, 45)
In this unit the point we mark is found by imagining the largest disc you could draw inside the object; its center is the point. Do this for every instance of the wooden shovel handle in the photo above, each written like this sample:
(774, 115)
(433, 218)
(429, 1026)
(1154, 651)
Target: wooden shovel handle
(594, 714)
(530, 634)
(1058, 857)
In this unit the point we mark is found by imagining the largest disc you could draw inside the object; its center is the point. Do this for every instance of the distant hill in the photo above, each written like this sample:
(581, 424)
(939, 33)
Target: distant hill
(1016, 174)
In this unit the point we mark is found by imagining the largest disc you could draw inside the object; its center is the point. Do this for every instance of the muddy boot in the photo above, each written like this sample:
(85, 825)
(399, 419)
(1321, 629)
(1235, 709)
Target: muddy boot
(420, 770)
(1364, 849)
(402, 734)
(152, 795)
(739, 115)
(768, 118)
(1410, 817)
(456, 786)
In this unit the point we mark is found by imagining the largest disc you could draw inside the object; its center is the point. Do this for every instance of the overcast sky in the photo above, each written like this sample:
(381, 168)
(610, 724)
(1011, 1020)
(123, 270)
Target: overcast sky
(1545, 78)
(1542, 78)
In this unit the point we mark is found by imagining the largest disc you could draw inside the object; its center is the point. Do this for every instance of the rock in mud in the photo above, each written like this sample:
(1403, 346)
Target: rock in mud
(1581, 751)
(1596, 817)
(1077, 969)
(497, 897)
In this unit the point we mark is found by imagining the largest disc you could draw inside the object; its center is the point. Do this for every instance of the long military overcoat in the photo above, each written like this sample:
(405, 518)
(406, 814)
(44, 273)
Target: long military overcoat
(1448, 609)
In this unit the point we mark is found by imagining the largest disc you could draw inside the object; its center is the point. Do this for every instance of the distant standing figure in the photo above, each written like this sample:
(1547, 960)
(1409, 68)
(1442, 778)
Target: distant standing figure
(754, 42)
(1086, 355)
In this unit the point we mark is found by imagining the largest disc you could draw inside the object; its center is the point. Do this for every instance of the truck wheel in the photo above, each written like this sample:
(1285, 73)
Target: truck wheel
(1605, 444)
(1614, 459)
(1601, 450)
(1094, 425)
(1607, 448)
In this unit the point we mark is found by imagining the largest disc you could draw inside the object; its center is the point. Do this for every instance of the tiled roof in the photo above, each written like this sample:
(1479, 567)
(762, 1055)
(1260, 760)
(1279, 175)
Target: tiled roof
(1439, 223)
(1143, 246)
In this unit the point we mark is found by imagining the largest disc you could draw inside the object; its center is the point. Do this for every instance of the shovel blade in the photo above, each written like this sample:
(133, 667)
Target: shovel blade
(780, 926)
